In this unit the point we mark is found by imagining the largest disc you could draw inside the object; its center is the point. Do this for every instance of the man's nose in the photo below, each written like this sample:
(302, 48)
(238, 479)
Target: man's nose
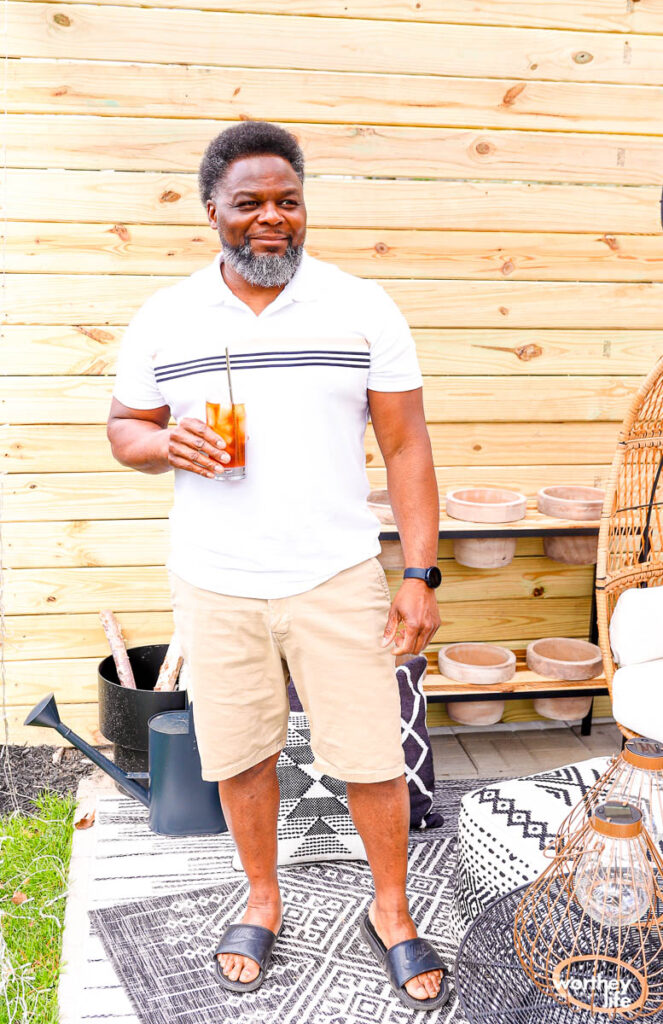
(270, 214)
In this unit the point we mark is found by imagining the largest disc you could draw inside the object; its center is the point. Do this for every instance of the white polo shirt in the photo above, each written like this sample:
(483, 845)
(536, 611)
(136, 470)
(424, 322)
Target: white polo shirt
(302, 367)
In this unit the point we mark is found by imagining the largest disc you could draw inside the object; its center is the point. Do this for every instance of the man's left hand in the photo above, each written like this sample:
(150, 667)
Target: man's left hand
(413, 618)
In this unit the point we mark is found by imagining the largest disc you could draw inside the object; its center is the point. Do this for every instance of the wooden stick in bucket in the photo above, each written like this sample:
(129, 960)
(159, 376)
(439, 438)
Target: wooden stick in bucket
(118, 649)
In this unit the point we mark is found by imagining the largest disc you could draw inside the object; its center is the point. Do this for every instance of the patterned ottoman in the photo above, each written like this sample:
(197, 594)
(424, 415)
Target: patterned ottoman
(504, 828)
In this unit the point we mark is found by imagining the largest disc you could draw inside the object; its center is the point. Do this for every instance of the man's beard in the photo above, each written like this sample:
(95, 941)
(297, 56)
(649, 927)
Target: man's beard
(268, 270)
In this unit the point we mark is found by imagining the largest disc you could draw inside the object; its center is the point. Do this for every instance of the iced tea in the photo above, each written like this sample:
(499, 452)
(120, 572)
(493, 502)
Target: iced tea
(229, 422)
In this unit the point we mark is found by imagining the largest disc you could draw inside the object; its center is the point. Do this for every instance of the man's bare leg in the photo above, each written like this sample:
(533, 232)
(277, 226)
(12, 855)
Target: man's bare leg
(381, 813)
(250, 803)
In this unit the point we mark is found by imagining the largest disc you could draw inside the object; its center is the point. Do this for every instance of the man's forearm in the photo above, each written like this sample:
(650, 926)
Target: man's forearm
(414, 499)
(140, 444)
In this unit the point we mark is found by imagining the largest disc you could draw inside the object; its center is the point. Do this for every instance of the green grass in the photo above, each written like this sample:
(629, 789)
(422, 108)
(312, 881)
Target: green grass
(34, 859)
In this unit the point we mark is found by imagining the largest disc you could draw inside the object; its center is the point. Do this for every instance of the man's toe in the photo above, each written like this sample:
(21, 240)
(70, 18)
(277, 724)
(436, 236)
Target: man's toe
(416, 988)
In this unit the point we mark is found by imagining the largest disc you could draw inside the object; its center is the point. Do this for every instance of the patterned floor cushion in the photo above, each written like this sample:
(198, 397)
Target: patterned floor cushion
(504, 828)
(314, 821)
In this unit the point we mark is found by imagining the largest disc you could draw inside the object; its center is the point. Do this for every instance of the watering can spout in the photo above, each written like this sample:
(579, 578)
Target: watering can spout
(45, 714)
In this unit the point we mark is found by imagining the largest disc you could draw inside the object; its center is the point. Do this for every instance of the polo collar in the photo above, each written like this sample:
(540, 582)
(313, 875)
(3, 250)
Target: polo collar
(305, 286)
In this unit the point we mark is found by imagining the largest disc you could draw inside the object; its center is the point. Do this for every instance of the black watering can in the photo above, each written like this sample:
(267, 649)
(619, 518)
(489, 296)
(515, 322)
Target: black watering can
(180, 801)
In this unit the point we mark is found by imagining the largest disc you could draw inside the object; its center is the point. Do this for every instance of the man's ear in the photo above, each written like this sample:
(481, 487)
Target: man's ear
(211, 214)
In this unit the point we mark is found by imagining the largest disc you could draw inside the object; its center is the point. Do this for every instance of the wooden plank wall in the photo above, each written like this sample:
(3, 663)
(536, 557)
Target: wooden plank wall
(497, 166)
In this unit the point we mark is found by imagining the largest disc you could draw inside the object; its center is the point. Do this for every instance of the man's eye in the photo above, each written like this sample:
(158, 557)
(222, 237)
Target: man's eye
(289, 202)
(247, 202)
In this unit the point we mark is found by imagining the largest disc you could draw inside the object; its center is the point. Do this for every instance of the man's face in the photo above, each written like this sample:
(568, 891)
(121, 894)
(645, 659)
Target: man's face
(258, 210)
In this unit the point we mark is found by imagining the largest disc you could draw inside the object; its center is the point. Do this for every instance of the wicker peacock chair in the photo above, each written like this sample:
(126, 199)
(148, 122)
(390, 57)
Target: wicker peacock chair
(630, 547)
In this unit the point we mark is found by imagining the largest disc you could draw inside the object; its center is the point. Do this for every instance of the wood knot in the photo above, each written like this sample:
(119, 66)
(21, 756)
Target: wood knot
(31, 487)
(169, 196)
(364, 130)
(381, 248)
(526, 352)
(61, 19)
(537, 591)
(51, 598)
(121, 232)
(62, 91)
(369, 457)
(483, 147)
(507, 268)
(476, 447)
(610, 241)
(95, 333)
(583, 57)
(504, 310)
(512, 94)
(237, 91)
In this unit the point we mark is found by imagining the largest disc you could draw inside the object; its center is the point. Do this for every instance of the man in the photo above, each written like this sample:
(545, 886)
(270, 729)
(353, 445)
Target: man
(277, 571)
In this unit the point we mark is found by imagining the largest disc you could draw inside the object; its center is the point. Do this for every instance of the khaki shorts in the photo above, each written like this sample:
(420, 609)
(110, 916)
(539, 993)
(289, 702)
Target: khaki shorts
(240, 649)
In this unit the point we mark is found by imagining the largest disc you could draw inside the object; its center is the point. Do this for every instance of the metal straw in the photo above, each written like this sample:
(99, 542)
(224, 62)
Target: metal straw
(230, 383)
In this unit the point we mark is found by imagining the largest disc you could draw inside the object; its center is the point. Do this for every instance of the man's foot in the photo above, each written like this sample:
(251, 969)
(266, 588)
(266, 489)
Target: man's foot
(393, 927)
(267, 913)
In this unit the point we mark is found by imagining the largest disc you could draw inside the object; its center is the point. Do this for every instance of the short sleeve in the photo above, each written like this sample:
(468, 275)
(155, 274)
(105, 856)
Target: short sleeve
(394, 364)
(135, 382)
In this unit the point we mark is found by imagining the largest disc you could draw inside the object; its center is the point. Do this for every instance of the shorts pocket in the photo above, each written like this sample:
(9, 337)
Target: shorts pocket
(382, 578)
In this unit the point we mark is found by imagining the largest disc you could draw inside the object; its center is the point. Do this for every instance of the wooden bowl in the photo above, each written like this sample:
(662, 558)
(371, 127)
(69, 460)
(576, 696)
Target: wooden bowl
(476, 712)
(562, 709)
(560, 657)
(572, 550)
(486, 504)
(570, 502)
(484, 664)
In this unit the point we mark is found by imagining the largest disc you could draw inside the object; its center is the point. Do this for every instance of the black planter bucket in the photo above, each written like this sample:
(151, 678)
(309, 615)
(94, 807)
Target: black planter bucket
(124, 713)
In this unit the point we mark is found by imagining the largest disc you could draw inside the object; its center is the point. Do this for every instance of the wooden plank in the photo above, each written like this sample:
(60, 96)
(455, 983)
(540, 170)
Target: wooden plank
(33, 637)
(83, 448)
(58, 496)
(125, 588)
(593, 15)
(596, 15)
(48, 248)
(152, 198)
(524, 681)
(455, 399)
(86, 542)
(131, 495)
(175, 144)
(100, 300)
(77, 87)
(86, 350)
(83, 31)
(80, 635)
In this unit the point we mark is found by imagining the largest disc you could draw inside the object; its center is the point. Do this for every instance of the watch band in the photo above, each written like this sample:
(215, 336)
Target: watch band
(431, 576)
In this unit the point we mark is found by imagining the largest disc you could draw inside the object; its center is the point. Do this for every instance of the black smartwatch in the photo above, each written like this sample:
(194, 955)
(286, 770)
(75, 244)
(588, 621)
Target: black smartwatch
(431, 576)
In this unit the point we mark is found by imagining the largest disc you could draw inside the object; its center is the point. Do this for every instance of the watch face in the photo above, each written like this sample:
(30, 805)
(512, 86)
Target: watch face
(433, 576)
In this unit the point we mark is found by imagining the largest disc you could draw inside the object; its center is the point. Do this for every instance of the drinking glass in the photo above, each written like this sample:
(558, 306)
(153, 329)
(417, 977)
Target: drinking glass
(229, 422)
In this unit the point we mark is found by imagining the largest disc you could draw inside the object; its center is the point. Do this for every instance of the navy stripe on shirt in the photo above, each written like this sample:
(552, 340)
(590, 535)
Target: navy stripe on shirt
(263, 360)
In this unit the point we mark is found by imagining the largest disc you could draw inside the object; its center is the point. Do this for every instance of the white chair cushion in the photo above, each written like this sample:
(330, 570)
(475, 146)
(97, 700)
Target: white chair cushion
(636, 626)
(637, 698)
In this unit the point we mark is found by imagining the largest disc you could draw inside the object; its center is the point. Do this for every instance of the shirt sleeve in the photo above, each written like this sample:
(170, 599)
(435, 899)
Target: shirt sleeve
(394, 364)
(135, 382)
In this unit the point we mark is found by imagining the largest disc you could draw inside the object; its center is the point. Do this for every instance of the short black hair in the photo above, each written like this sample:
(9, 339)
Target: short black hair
(248, 138)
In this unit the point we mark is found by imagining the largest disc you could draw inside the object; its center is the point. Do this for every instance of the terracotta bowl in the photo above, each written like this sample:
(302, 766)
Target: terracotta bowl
(486, 504)
(485, 664)
(570, 502)
(476, 712)
(562, 709)
(378, 502)
(560, 657)
(577, 503)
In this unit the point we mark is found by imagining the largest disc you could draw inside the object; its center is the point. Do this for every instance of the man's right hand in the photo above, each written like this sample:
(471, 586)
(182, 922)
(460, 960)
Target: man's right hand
(194, 446)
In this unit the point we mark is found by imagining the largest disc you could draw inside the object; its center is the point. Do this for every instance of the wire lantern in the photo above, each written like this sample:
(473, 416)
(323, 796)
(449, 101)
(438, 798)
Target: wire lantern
(589, 930)
(634, 777)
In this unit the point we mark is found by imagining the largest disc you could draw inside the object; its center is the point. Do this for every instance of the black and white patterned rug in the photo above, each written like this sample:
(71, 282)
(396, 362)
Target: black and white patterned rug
(321, 973)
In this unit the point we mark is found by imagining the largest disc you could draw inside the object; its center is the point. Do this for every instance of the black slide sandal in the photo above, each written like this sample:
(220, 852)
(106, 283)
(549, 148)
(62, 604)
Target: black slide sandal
(405, 961)
(250, 940)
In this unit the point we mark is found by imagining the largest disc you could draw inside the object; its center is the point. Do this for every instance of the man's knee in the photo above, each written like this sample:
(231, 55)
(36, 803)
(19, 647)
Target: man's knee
(257, 771)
